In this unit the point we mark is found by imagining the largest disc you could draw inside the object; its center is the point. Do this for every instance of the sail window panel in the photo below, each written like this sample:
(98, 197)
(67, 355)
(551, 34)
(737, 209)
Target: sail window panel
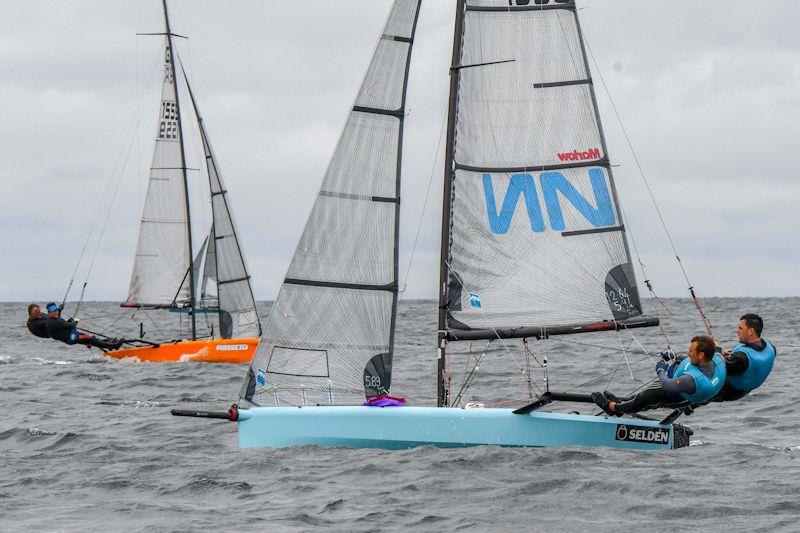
(294, 362)
(347, 241)
(402, 18)
(503, 118)
(382, 87)
(520, 271)
(365, 160)
(350, 326)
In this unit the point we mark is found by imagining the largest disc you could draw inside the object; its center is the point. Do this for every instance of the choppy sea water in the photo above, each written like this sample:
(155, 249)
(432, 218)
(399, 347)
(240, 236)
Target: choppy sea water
(87, 443)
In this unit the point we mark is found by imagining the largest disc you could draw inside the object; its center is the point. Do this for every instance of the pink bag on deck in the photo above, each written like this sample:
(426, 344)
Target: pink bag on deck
(384, 400)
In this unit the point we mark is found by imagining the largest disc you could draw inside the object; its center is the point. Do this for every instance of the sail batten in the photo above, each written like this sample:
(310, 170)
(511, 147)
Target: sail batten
(329, 337)
(533, 237)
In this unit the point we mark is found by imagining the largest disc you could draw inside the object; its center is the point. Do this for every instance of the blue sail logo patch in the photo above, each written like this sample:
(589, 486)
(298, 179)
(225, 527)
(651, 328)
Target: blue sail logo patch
(554, 186)
(474, 300)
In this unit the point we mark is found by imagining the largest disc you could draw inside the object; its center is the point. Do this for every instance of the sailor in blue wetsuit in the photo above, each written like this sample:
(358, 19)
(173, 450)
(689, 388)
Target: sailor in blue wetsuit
(749, 362)
(695, 380)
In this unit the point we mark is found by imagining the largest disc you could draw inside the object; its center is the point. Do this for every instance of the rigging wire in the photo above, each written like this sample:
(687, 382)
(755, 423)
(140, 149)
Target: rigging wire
(468, 379)
(695, 300)
(603, 376)
(109, 210)
(114, 181)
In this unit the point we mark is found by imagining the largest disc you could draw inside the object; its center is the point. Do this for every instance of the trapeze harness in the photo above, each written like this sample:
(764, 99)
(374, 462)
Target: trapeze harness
(705, 387)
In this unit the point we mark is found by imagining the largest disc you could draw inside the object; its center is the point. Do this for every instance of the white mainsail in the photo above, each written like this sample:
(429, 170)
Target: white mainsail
(329, 337)
(162, 254)
(535, 237)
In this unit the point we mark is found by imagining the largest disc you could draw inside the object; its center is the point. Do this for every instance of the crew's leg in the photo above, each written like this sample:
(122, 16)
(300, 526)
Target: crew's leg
(651, 398)
(73, 337)
(108, 344)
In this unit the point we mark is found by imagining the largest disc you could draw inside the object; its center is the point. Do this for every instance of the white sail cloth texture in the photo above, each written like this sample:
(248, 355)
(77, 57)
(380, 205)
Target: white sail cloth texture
(161, 262)
(238, 317)
(536, 237)
(208, 291)
(200, 262)
(328, 338)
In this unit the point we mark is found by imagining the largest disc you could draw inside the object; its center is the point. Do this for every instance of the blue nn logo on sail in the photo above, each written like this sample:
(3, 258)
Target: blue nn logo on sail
(475, 300)
(552, 184)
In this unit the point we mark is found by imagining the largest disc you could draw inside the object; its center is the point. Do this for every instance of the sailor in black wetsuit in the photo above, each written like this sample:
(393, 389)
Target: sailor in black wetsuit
(749, 363)
(695, 380)
(66, 331)
(37, 322)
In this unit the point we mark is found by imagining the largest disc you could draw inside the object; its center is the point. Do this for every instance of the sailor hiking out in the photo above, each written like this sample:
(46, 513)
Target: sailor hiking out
(37, 322)
(694, 380)
(54, 327)
(749, 363)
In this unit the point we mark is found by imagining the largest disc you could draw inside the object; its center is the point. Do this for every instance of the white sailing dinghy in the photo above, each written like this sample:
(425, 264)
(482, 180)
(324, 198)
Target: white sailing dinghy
(523, 124)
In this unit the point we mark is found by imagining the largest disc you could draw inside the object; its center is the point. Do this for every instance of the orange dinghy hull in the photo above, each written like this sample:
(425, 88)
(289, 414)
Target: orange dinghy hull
(206, 351)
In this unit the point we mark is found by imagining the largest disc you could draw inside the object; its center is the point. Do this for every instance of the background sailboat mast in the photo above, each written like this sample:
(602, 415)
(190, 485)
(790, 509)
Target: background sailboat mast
(192, 301)
(449, 168)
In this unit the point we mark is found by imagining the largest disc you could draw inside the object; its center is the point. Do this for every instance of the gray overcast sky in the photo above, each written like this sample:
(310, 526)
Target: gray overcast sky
(709, 93)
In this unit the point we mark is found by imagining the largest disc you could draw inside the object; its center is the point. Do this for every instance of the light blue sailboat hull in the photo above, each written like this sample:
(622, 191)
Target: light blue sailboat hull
(408, 427)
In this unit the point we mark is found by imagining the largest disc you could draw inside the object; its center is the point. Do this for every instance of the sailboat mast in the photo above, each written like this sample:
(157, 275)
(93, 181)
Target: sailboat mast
(449, 169)
(192, 301)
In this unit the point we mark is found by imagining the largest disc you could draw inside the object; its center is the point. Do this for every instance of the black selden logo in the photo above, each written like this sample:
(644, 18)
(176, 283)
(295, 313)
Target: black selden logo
(640, 434)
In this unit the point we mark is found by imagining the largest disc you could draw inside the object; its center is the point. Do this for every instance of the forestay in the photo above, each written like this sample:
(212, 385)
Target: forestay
(162, 253)
(329, 337)
(225, 264)
(535, 236)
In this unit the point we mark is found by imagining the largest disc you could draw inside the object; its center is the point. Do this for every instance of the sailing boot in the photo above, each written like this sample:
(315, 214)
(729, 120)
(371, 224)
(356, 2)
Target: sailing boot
(603, 403)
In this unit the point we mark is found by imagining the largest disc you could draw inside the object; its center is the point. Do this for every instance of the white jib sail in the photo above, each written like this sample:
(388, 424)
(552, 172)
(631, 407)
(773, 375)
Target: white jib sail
(161, 260)
(225, 275)
(237, 308)
(328, 339)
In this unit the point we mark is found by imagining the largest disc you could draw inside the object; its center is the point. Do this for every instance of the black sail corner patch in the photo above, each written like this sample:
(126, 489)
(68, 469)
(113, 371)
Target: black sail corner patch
(250, 388)
(225, 325)
(454, 291)
(378, 375)
(621, 292)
